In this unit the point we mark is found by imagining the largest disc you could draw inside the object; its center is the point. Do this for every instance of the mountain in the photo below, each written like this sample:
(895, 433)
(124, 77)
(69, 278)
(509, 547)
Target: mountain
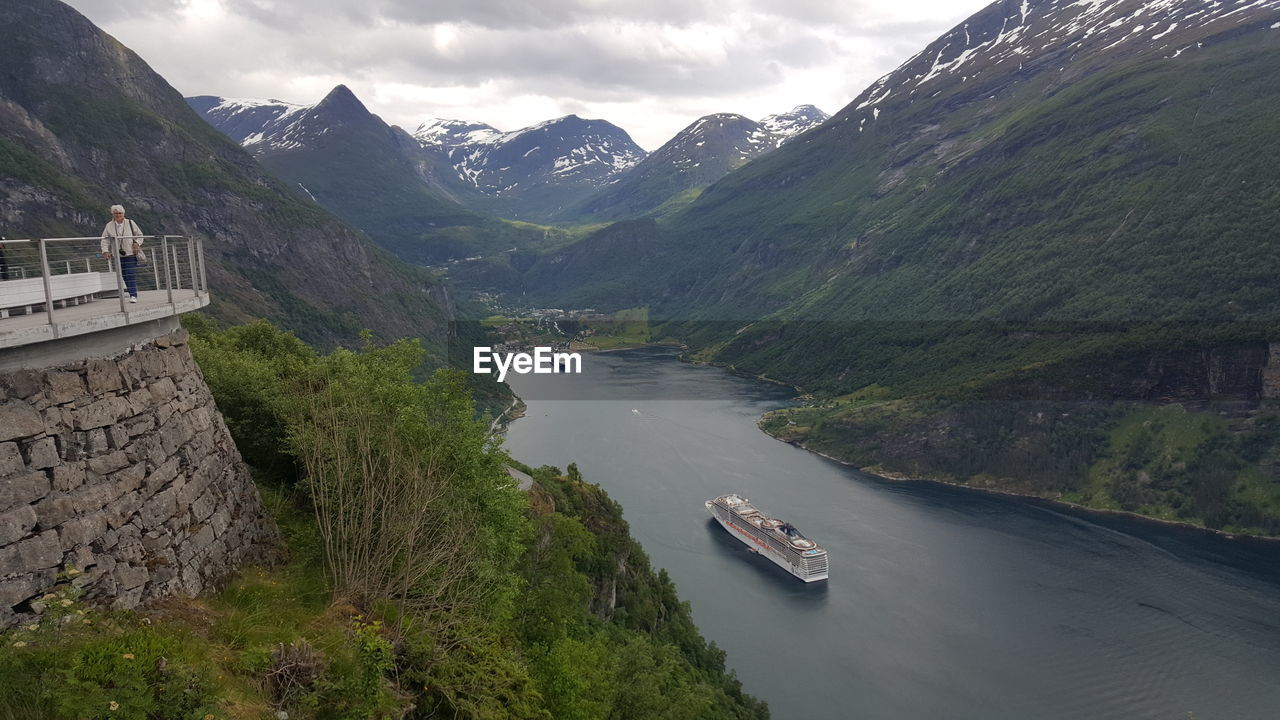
(787, 125)
(562, 169)
(373, 175)
(1080, 148)
(1056, 213)
(84, 123)
(536, 172)
(1060, 149)
(249, 122)
(697, 156)
(448, 134)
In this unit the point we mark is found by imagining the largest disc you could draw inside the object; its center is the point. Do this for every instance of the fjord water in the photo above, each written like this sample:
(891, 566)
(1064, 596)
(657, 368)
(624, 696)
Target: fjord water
(942, 602)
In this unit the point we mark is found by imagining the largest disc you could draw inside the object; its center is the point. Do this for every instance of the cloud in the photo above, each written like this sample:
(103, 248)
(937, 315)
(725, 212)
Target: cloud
(111, 11)
(492, 14)
(650, 67)
(595, 60)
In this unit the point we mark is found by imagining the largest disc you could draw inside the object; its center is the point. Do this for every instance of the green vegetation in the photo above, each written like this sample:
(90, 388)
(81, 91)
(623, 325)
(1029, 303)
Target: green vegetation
(272, 639)
(419, 581)
(1161, 461)
(554, 236)
(601, 624)
(676, 203)
(1022, 245)
(1172, 464)
(622, 329)
(77, 664)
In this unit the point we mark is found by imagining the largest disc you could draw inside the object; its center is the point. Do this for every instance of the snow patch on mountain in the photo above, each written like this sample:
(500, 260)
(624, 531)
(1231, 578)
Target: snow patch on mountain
(454, 133)
(238, 105)
(1000, 35)
(785, 126)
(254, 123)
(566, 149)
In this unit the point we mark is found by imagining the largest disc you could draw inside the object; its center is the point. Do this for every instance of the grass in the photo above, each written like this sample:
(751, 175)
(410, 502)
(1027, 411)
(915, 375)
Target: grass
(1172, 435)
(204, 659)
(623, 329)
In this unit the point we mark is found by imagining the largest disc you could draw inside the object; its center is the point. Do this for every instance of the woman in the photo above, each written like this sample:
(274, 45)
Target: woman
(124, 235)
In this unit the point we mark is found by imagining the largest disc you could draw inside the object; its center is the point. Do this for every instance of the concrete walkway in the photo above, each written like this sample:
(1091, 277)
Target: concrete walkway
(100, 314)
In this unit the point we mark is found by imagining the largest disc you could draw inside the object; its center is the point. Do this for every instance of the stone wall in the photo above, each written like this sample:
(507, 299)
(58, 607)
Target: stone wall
(119, 475)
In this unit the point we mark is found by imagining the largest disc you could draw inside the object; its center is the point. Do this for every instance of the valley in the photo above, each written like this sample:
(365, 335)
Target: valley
(1035, 259)
(1012, 225)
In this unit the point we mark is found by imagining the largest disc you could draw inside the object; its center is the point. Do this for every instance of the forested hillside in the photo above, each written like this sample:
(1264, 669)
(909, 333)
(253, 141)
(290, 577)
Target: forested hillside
(1052, 202)
(421, 581)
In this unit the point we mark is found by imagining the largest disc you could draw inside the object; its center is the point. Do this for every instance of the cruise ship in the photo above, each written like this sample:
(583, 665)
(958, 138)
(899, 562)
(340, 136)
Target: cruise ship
(779, 541)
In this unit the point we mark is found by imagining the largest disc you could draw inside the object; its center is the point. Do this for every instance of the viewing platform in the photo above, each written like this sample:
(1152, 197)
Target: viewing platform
(58, 289)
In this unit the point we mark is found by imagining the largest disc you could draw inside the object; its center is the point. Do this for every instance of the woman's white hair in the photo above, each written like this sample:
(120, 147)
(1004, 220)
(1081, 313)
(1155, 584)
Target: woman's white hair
(117, 208)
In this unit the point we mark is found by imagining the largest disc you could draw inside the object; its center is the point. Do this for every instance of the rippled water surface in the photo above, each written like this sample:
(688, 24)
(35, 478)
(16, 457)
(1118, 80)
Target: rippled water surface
(942, 603)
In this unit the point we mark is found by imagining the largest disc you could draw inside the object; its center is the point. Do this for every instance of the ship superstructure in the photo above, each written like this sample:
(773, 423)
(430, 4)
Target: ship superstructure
(775, 539)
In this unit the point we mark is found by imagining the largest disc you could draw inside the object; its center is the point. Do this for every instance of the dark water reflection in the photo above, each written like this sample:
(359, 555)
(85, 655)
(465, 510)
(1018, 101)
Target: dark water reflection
(942, 603)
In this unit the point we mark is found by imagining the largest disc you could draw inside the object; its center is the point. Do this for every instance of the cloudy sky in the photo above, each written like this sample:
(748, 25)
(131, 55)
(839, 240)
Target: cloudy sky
(649, 66)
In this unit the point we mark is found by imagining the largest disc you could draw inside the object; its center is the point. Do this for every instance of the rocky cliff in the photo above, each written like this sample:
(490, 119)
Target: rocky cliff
(85, 123)
(1271, 373)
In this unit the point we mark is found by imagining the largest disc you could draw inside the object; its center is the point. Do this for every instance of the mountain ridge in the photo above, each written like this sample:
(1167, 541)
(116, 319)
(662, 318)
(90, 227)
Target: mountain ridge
(990, 262)
(703, 152)
(545, 172)
(374, 175)
(536, 171)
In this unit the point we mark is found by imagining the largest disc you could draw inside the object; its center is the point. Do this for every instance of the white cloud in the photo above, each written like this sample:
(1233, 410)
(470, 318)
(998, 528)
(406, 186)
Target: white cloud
(651, 67)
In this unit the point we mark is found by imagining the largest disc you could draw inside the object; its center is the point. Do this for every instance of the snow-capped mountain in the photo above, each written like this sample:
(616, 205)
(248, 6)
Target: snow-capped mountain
(1044, 158)
(1019, 39)
(720, 142)
(787, 125)
(266, 127)
(283, 134)
(248, 121)
(595, 154)
(438, 133)
(705, 151)
(340, 155)
(535, 171)
(540, 172)
(529, 173)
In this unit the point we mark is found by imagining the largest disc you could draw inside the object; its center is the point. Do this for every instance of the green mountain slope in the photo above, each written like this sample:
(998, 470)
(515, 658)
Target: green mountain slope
(1134, 196)
(1055, 210)
(378, 178)
(405, 194)
(1076, 183)
(673, 175)
(84, 123)
(1079, 183)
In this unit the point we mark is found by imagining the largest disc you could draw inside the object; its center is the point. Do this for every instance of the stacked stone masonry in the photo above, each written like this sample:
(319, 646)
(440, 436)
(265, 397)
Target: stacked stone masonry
(119, 476)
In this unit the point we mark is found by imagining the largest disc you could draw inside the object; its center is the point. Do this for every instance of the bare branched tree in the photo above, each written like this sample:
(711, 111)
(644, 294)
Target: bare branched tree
(381, 485)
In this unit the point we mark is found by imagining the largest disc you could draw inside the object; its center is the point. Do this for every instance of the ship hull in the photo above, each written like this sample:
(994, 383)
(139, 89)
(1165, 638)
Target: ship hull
(731, 525)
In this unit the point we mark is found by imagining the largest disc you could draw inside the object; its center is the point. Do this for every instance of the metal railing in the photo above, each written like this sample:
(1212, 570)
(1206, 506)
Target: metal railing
(44, 274)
